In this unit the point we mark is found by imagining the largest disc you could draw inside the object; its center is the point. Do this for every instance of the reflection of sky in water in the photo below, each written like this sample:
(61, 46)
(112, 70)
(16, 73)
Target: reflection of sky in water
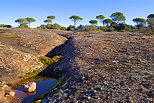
(42, 87)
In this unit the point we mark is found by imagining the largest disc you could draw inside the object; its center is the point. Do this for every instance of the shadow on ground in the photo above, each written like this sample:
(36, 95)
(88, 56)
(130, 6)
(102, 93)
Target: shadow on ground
(67, 50)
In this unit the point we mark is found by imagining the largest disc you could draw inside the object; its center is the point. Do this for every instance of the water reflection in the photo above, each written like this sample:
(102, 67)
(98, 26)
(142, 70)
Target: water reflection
(42, 87)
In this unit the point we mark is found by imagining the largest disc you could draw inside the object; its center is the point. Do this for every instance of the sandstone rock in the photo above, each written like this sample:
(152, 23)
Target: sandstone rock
(30, 87)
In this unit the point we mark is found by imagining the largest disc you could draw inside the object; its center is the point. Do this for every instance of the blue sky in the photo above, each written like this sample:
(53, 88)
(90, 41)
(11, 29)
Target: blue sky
(11, 10)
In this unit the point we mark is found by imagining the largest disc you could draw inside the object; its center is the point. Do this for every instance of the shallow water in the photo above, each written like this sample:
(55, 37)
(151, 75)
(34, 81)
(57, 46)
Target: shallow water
(42, 87)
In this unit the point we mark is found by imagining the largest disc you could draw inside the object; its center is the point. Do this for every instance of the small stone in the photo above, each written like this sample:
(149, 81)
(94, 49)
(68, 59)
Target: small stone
(83, 78)
(65, 94)
(11, 93)
(30, 87)
(52, 100)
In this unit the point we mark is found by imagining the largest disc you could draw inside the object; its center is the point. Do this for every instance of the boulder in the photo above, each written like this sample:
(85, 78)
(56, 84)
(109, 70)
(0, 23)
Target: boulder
(30, 87)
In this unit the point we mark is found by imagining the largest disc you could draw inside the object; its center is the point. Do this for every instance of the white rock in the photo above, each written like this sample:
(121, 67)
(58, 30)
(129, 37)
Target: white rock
(30, 87)
(11, 93)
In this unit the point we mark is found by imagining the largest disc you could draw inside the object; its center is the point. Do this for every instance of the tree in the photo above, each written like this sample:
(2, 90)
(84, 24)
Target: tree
(140, 22)
(100, 18)
(51, 18)
(93, 22)
(21, 20)
(29, 20)
(118, 17)
(107, 22)
(48, 21)
(75, 19)
(150, 21)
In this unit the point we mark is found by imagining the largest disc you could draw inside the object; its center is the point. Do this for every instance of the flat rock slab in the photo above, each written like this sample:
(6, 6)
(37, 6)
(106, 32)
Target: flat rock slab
(20, 49)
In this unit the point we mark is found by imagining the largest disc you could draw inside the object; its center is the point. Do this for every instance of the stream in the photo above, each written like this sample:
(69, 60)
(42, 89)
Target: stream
(43, 85)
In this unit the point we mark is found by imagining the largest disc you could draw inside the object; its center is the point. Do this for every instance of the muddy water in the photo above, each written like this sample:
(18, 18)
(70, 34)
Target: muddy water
(43, 86)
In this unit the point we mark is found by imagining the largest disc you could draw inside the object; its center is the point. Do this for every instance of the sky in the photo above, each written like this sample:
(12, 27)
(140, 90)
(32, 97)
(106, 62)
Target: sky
(10, 10)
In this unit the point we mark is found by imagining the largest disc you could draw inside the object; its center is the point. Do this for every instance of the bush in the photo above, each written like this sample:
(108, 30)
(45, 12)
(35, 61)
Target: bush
(49, 26)
(42, 27)
(91, 28)
(24, 25)
(71, 27)
(5, 26)
(55, 26)
(81, 28)
(151, 23)
(122, 27)
(104, 28)
(63, 28)
(48, 61)
(110, 29)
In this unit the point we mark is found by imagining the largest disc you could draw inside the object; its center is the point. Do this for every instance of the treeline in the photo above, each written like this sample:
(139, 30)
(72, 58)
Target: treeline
(5, 26)
(116, 22)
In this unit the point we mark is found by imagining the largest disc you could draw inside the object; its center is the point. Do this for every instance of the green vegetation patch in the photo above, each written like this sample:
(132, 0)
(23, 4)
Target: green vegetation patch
(49, 61)
(12, 36)
(59, 82)
(8, 83)
(34, 72)
(45, 61)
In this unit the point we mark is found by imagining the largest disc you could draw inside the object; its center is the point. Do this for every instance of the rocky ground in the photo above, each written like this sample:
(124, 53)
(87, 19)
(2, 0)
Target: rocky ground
(96, 67)
(105, 68)
(20, 49)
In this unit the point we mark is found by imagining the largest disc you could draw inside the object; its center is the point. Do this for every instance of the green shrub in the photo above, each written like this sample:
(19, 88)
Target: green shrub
(122, 30)
(42, 27)
(34, 72)
(111, 29)
(8, 83)
(5, 26)
(104, 28)
(49, 26)
(56, 26)
(91, 28)
(63, 28)
(48, 61)
(71, 27)
(24, 25)
(81, 27)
